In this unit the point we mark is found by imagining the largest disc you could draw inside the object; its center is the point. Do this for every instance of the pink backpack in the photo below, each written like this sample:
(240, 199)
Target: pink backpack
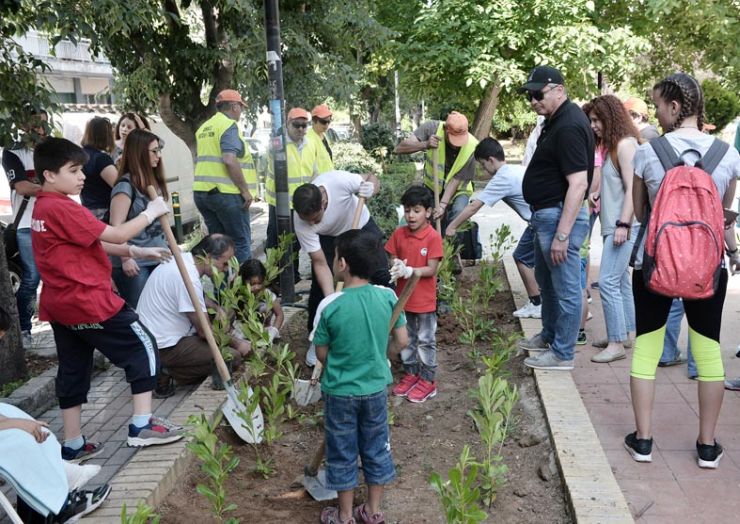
(684, 248)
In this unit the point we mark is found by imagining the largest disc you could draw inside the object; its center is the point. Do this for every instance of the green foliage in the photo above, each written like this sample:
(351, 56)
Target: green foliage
(721, 105)
(378, 139)
(144, 515)
(7, 389)
(352, 157)
(500, 242)
(217, 462)
(446, 281)
(459, 494)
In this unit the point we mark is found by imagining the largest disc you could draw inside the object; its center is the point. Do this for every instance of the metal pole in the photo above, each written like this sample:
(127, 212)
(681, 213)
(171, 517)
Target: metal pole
(278, 141)
(177, 214)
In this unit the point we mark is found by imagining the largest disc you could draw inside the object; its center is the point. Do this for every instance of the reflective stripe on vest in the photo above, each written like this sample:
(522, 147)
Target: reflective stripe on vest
(301, 165)
(466, 152)
(210, 170)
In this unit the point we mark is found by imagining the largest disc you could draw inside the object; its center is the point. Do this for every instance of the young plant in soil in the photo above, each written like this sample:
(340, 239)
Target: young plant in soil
(500, 242)
(460, 494)
(144, 515)
(446, 281)
(217, 462)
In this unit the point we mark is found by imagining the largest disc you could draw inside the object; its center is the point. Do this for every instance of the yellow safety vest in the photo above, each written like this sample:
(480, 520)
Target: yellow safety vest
(324, 162)
(463, 156)
(301, 165)
(210, 170)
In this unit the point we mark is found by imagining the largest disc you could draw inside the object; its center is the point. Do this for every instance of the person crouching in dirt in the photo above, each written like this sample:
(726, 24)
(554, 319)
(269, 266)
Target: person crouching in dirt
(417, 245)
(323, 210)
(253, 274)
(351, 338)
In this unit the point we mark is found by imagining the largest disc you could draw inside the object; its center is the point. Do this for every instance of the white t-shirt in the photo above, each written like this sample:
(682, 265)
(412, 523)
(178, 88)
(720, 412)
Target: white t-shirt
(340, 187)
(164, 302)
(506, 185)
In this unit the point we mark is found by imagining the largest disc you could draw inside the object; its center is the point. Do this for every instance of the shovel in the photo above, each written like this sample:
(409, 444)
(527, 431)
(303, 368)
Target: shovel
(314, 479)
(307, 392)
(435, 170)
(233, 405)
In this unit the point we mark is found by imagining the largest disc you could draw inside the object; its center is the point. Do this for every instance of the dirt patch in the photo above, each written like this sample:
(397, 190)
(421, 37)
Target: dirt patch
(425, 438)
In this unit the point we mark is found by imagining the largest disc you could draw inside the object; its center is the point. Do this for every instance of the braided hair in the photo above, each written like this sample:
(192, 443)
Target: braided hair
(684, 89)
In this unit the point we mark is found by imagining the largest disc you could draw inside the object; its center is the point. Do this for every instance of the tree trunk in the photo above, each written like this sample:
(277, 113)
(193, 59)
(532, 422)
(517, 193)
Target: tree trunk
(184, 130)
(12, 361)
(486, 110)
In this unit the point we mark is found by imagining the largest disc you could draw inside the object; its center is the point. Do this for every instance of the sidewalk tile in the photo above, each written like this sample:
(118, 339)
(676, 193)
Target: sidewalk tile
(666, 496)
(683, 466)
(626, 469)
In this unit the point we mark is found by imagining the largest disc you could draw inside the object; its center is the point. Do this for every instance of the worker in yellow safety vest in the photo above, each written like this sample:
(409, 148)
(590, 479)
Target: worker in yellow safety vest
(225, 177)
(321, 117)
(455, 161)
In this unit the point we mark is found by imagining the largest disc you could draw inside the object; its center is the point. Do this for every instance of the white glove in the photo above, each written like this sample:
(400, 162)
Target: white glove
(155, 209)
(400, 270)
(735, 264)
(367, 189)
(273, 332)
(150, 253)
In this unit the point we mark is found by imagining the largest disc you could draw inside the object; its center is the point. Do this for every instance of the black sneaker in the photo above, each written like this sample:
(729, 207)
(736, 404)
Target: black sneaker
(80, 503)
(581, 340)
(709, 456)
(86, 452)
(641, 449)
(165, 386)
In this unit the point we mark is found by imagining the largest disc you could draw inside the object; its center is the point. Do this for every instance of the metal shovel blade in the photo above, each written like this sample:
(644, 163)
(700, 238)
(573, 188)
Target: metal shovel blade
(231, 409)
(316, 486)
(305, 393)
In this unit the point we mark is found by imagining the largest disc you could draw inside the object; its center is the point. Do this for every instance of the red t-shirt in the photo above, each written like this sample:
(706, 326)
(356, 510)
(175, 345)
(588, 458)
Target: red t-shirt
(417, 248)
(72, 263)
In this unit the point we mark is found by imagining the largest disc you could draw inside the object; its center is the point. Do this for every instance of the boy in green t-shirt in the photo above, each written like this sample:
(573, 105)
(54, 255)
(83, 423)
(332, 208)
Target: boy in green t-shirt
(351, 337)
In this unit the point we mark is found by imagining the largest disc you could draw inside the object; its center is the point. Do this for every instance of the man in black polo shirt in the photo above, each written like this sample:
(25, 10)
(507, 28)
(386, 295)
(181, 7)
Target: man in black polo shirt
(555, 185)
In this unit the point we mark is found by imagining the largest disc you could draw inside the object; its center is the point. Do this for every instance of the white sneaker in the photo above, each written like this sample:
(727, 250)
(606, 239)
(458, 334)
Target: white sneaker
(311, 355)
(529, 310)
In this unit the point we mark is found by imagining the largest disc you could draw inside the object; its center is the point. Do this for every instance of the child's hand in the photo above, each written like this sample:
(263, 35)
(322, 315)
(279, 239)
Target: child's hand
(34, 427)
(400, 270)
(130, 267)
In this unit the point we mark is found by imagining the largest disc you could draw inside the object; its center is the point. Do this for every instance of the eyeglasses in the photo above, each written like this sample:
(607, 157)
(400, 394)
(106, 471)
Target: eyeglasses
(298, 125)
(324, 121)
(156, 151)
(537, 95)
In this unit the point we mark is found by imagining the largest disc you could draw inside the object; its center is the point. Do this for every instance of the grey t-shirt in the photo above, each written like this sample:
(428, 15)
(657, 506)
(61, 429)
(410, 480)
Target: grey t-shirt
(649, 168)
(426, 130)
(231, 143)
(612, 195)
(506, 185)
(152, 235)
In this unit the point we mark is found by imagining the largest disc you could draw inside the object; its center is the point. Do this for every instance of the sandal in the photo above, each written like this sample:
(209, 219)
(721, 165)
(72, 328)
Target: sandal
(361, 516)
(330, 515)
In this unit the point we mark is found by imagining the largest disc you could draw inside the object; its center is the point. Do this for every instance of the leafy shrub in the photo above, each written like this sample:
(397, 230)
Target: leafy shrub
(352, 157)
(378, 139)
(720, 105)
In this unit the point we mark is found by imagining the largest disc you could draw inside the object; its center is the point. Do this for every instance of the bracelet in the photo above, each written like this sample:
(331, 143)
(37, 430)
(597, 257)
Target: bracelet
(623, 224)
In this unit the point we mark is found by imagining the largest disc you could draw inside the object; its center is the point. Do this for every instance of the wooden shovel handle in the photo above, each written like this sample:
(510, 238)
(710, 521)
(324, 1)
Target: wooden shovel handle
(435, 171)
(205, 325)
(405, 294)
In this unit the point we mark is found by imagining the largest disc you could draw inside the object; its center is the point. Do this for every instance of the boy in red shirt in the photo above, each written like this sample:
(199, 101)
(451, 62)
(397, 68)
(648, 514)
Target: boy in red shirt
(418, 246)
(70, 247)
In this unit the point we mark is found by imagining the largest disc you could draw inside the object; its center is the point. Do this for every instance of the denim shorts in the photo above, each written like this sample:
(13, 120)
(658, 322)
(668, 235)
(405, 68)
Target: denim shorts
(524, 251)
(357, 426)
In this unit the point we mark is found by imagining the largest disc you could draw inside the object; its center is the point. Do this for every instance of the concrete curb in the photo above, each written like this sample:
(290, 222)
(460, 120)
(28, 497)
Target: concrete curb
(592, 490)
(153, 472)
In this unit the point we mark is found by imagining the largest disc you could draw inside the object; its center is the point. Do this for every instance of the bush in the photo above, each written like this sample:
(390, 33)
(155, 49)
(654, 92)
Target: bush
(378, 140)
(720, 105)
(352, 157)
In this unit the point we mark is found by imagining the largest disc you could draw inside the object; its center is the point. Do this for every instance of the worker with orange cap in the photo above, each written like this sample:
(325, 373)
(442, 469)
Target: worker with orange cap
(455, 161)
(638, 110)
(225, 177)
(321, 117)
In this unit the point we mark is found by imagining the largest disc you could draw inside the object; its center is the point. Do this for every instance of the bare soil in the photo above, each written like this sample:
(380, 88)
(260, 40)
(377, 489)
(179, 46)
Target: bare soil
(425, 438)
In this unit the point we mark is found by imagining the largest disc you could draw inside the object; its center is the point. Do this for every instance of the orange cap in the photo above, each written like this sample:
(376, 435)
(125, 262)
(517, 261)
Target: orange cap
(229, 95)
(636, 105)
(456, 127)
(321, 111)
(298, 112)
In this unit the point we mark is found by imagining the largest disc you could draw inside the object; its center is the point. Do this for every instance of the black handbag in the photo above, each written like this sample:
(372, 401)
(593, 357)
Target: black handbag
(10, 234)
(470, 241)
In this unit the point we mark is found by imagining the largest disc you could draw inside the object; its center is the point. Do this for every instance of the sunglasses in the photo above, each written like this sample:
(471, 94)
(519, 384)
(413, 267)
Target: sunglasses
(537, 95)
(298, 125)
(324, 121)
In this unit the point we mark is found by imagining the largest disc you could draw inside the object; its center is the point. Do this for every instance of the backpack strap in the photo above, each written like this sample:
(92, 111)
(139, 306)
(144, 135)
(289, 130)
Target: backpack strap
(714, 156)
(664, 150)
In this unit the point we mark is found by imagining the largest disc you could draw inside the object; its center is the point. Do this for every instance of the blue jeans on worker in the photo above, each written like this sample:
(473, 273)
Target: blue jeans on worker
(615, 287)
(671, 352)
(420, 356)
(559, 285)
(130, 288)
(26, 295)
(225, 213)
(357, 425)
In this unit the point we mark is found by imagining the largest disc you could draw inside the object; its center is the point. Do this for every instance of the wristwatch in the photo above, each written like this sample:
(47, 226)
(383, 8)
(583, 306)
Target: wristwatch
(623, 224)
(562, 237)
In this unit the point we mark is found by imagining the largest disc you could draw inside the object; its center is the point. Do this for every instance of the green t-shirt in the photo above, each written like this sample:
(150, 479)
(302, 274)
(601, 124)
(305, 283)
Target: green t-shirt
(354, 324)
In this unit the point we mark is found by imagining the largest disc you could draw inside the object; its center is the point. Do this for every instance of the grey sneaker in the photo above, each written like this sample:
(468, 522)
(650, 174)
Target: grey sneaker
(536, 343)
(27, 340)
(158, 431)
(548, 360)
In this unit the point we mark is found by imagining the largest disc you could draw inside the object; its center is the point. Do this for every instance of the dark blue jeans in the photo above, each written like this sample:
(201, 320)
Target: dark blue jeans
(26, 295)
(224, 213)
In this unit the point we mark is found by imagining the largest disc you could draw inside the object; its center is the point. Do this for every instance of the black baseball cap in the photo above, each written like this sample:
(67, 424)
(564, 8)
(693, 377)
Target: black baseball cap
(539, 77)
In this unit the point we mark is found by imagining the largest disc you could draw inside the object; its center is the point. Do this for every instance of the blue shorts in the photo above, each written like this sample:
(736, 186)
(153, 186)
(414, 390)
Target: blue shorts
(357, 426)
(524, 251)
(584, 275)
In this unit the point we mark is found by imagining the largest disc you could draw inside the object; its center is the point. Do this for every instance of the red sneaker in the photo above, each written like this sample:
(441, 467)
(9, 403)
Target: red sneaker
(422, 391)
(407, 384)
